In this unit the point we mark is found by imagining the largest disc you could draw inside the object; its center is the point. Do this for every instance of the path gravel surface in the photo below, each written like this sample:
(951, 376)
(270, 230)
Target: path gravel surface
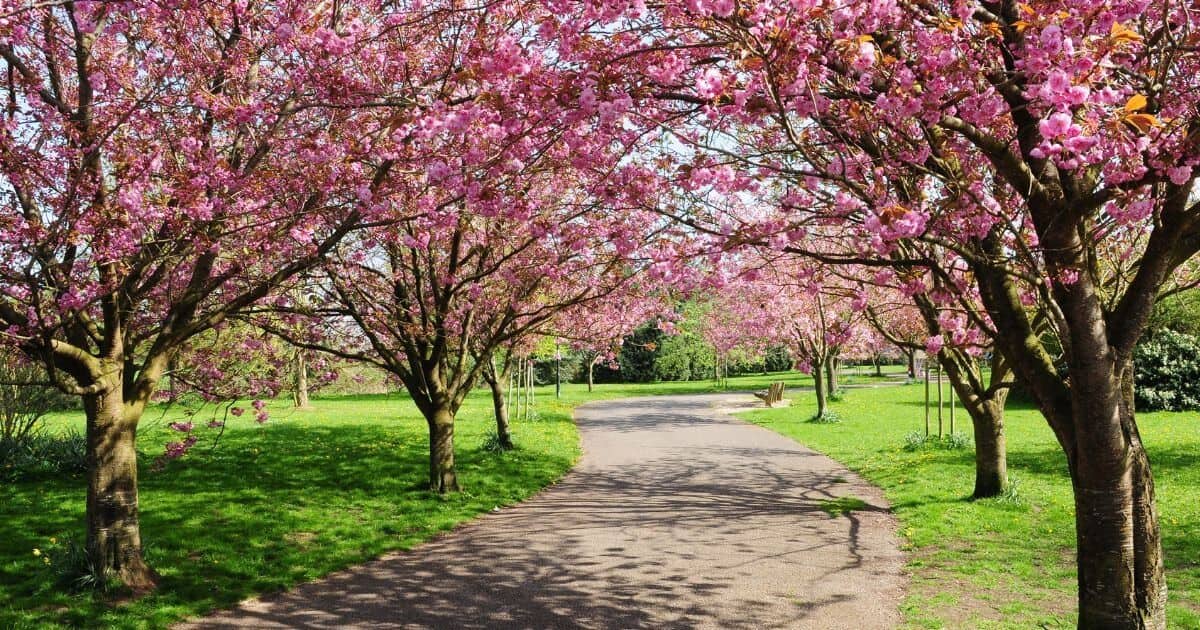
(677, 516)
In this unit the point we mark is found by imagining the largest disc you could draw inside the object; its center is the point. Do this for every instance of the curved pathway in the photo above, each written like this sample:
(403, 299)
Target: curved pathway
(677, 516)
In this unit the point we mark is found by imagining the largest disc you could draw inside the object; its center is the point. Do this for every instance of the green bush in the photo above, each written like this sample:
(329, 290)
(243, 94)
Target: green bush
(1167, 372)
(638, 353)
(25, 398)
(916, 441)
(1179, 312)
(68, 563)
(40, 454)
(684, 357)
(829, 417)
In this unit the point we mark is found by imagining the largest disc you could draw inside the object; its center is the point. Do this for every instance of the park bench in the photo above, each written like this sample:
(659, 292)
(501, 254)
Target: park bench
(772, 394)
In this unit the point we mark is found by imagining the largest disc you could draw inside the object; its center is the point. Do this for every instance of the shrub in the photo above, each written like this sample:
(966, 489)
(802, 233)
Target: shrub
(638, 352)
(40, 454)
(684, 357)
(914, 441)
(492, 443)
(1012, 492)
(829, 417)
(25, 398)
(917, 440)
(1167, 372)
(67, 561)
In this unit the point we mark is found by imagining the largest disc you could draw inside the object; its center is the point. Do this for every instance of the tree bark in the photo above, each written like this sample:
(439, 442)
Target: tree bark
(114, 542)
(1118, 545)
(986, 409)
(1119, 556)
(831, 376)
(1149, 574)
(496, 382)
(443, 477)
(991, 458)
(912, 363)
(1121, 579)
(300, 389)
(591, 372)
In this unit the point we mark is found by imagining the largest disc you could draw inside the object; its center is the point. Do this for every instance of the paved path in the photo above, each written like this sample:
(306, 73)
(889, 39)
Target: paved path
(678, 516)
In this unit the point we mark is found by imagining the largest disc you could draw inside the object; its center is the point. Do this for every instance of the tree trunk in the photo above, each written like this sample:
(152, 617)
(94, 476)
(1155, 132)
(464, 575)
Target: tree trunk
(500, 405)
(991, 459)
(878, 365)
(819, 385)
(442, 475)
(1121, 580)
(300, 389)
(590, 373)
(986, 410)
(831, 377)
(114, 541)
(912, 363)
(1119, 550)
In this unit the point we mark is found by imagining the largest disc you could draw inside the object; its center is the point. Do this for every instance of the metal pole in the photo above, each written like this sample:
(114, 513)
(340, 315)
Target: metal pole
(926, 398)
(951, 388)
(517, 380)
(508, 392)
(939, 385)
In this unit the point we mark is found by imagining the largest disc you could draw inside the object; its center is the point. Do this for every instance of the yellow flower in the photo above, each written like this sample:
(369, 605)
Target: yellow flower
(54, 541)
(37, 552)
(45, 560)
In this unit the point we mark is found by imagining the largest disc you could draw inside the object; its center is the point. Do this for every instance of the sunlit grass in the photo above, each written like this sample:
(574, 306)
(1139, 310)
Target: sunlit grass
(1006, 562)
(315, 491)
(306, 494)
(303, 495)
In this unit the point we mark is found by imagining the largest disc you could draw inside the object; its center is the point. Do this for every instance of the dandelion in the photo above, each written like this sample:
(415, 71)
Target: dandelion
(37, 552)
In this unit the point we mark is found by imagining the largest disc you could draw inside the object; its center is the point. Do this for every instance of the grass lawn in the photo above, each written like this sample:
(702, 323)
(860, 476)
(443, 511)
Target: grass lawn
(998, 563)
(307, 493)
(315, 491)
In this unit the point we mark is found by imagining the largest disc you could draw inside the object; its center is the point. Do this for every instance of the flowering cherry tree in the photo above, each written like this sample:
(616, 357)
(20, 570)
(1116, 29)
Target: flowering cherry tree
(520, 208)
(598, 328)
(163, 167)
(1020, 138)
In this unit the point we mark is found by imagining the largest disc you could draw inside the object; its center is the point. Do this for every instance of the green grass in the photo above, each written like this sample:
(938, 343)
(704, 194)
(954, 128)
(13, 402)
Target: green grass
(315, 491)
(306, 494)
(842, 506)
(274, 505)
(1006, 562)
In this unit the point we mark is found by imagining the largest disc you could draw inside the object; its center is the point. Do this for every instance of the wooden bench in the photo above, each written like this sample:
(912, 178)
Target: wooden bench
(772, 394)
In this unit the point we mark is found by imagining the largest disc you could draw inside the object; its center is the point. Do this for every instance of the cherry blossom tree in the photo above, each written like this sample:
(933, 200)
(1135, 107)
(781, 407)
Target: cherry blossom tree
(898, 322)
(598, 328)
(1019, 139)
(125, 248)
(949, 335)
(161, 168)
(522, 209)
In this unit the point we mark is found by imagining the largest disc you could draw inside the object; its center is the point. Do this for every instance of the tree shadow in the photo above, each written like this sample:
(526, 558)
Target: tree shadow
(268, 509)
(728, 531)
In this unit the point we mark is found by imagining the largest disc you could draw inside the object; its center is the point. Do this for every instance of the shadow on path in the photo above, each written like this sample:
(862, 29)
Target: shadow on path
(676, 517)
